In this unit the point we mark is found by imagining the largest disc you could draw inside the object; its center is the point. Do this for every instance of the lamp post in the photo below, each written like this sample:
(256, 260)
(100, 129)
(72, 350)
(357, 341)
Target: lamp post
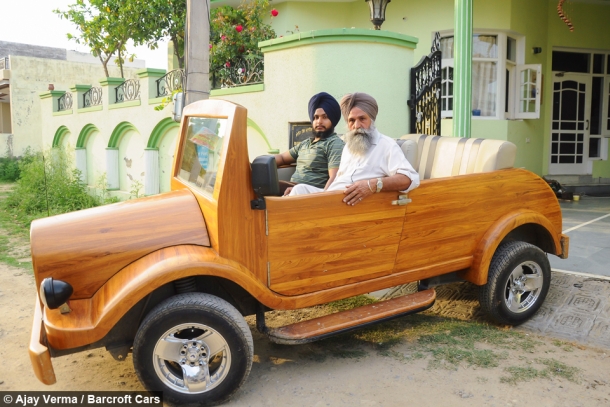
(377, 11)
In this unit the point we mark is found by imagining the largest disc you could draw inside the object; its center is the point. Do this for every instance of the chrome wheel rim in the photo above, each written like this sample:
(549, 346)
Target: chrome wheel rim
(523, 287)
(192, 358)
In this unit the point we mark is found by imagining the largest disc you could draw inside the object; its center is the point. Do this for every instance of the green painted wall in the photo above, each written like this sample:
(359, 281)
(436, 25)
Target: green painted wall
(536, 20)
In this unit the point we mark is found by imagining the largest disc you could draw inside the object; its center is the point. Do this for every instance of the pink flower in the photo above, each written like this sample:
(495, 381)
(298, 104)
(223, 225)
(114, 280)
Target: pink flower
(223, 37)
(239, 28)
(228, 64)
(210, 46)
(274, 12)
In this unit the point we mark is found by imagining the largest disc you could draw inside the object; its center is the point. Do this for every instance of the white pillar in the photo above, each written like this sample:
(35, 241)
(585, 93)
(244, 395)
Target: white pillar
(112, 168)
(81, 163)
(151, 177)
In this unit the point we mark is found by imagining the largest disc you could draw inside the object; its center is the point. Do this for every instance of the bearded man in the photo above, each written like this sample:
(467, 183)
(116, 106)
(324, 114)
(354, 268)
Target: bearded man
(371, 162)
(317, 158)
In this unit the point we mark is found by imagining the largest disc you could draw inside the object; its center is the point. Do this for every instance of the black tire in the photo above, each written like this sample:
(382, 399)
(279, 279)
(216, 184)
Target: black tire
(196, 333)
(518, 282)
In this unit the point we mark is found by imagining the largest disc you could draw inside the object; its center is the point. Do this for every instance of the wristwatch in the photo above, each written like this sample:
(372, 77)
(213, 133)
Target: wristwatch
(379, 185)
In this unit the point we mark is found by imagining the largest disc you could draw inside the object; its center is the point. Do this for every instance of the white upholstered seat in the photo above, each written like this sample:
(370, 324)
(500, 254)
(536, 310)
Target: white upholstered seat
(436, 156)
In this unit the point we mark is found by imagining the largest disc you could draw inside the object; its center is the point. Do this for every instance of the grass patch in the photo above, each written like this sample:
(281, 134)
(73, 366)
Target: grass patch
(553, 368)
(13, 233)
(565, 346)
(349, 303)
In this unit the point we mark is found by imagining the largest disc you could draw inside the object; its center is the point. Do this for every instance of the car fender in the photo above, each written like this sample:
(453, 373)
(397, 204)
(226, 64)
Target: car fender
(485, 249)
(92, 318)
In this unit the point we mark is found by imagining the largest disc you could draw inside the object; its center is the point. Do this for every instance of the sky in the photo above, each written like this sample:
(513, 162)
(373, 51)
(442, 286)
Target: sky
(33, 22)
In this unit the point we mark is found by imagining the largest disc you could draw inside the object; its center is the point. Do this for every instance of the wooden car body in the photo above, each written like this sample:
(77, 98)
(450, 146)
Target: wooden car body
(298, 252)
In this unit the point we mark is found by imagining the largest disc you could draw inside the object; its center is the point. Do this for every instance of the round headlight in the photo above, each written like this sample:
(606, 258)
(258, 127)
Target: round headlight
(54, 293)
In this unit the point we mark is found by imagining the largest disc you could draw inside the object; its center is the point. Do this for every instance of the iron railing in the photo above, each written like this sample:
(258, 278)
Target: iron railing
(170, 82)
(4, 63)
(247, 70)
(425, 98)
(64, 102)
(92, 97)
(128, 90)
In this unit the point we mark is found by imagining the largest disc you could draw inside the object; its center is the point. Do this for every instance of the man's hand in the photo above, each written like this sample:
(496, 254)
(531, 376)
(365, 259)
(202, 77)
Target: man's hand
(287, 191)
(357, 192)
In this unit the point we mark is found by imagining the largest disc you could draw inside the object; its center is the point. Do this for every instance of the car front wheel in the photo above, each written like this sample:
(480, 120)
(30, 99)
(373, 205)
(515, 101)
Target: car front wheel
(195, 347)
(518, 282)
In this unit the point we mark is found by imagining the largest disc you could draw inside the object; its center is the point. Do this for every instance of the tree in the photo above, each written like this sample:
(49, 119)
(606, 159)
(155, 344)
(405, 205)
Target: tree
(235, 33)
(105, 27)
(163, 19)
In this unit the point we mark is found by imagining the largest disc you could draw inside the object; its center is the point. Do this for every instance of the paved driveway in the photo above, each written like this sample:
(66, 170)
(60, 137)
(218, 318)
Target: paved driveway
(587, 223)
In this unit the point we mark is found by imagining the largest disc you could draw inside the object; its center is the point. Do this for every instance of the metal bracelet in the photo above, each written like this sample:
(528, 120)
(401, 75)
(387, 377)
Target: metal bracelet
(368, 182)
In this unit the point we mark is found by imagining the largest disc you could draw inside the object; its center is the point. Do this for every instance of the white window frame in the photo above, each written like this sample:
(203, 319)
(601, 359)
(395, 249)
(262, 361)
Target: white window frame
(517, 99)
(502, 65)
(446, 113)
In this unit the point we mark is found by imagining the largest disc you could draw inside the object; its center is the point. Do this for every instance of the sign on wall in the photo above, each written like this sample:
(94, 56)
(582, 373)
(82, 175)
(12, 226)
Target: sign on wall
(299, 131)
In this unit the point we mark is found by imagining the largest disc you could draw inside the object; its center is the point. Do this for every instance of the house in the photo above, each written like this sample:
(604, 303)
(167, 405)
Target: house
(25, 71)
(535, 83)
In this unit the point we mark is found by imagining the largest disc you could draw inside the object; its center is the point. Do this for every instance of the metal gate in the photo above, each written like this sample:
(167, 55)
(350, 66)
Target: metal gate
(425, 99)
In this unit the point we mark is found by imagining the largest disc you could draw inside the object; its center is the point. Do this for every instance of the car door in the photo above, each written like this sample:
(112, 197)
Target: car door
(316, 241)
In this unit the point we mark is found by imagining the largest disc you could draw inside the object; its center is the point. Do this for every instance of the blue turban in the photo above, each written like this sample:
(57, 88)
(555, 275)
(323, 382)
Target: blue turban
(328, 103)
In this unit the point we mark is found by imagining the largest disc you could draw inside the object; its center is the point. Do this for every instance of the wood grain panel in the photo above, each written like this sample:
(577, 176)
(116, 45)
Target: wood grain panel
(86, 248)
(39, 353)
(449, 216)
(92, 318)
(317, 242)
(353, 318)
(236, 231)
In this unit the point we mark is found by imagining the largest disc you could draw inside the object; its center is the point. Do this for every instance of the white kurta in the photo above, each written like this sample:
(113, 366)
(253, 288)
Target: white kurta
(384, 159)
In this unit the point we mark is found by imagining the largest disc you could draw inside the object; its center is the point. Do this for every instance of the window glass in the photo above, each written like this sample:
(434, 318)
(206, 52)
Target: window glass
(484, 88)
(511, 49)
(527, 91)
(598, 63)
(484, 46)
(447, 47)
(597, 101)
(571, 61)
(202, 152)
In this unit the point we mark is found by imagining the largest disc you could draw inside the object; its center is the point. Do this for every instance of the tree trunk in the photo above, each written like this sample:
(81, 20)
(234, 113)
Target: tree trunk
(121, 64)
(105, 65)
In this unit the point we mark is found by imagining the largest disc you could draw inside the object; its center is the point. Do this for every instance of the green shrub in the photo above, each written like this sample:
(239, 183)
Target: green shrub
(9, 169)
(48, 185)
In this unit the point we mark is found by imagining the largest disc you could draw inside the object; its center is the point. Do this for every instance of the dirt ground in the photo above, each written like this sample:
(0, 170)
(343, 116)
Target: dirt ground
(290, 376)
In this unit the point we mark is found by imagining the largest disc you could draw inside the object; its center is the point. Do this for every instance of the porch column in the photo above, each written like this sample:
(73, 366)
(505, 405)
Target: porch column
(462, 70)
(112, 168)
(151, 177)
(81, 163)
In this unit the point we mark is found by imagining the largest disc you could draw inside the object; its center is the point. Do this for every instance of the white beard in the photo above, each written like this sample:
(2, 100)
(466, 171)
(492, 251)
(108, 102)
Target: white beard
(359, 141)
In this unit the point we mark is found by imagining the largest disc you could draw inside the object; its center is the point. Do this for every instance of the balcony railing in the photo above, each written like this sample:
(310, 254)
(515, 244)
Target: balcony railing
(128, 90)
(170, 82)
(4, 63)
(92, 97)
(64, 102)
(248, 70)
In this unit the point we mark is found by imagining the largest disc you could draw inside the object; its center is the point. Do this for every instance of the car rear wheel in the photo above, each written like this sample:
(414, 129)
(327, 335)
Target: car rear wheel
(518, 282)
(195, 347)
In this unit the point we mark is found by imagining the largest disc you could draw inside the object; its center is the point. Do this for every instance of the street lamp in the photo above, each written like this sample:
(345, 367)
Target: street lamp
(377, 11)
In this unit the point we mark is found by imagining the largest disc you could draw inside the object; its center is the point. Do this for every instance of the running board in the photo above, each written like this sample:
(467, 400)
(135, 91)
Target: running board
(344, 321)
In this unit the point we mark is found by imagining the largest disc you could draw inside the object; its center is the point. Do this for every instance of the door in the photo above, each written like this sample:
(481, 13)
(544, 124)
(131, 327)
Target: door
(316, 241)
(570, 125)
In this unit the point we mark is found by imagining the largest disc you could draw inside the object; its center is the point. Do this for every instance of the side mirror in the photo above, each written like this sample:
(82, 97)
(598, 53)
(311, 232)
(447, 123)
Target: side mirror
(265, 181)
(178, 100)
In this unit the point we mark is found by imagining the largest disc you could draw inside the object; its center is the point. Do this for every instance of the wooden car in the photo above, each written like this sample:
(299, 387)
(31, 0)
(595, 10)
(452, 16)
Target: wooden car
(171, 277)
